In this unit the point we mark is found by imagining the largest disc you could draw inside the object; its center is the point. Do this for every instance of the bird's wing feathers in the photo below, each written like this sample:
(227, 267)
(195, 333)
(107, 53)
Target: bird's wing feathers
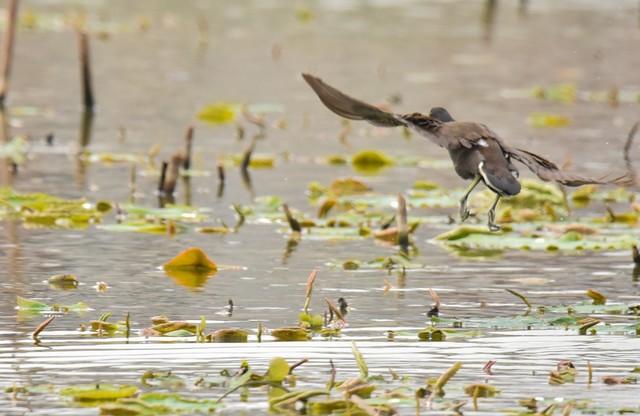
(349, 107)
(466, 134)
(549, 171)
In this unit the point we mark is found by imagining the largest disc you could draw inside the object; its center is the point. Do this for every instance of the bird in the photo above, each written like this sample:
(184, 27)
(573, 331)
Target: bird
(478, 154)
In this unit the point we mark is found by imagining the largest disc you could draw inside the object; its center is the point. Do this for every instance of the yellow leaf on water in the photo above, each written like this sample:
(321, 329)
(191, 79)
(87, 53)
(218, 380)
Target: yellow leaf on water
(192, 258)
(548, 120)
(219, 113)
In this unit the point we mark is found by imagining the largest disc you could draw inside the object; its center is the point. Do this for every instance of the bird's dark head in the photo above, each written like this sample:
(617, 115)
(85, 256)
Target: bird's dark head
(441, 114)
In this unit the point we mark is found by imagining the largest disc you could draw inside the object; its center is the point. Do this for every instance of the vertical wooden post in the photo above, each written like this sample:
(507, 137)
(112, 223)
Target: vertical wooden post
(7, 48)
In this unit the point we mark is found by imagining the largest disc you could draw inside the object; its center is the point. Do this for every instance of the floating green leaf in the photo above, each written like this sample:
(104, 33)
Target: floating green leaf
(149, 404)
(370, 161)
(278, 370)
(46, 211)
(547, 120)
(470, 237)
(36, 306)
(91, 392)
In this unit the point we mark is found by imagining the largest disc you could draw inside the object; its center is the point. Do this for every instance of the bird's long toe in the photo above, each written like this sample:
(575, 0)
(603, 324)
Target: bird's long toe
(464, 212)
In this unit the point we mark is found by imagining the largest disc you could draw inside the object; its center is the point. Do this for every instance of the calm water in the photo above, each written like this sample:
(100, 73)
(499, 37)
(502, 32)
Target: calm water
(150, 83)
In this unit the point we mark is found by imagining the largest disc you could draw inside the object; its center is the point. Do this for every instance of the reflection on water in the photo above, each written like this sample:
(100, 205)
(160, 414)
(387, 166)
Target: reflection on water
(151, 82)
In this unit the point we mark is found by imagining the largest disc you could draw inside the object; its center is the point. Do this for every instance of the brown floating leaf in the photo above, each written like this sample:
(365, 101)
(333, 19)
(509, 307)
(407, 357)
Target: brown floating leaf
(326, 207)
(348, 186)
(290, 334)
(228, 335)
(175, 326)
(586, 324)
(612, 380)
(480, 390)
(63, 281)
(598, 298)
(565, 373)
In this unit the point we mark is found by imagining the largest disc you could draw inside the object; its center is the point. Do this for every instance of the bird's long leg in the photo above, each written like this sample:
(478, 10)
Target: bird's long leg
(492, 215)
(464, 211)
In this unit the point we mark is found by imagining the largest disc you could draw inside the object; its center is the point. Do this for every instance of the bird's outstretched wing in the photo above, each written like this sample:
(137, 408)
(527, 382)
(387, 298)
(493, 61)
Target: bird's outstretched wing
(549, 171)
(349, 107)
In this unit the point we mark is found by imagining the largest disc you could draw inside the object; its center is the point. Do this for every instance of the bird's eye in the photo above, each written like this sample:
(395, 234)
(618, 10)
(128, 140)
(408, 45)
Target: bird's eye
(515, 174)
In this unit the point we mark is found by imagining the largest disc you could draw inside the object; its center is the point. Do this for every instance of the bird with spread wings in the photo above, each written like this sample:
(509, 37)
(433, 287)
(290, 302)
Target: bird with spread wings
(478, 154)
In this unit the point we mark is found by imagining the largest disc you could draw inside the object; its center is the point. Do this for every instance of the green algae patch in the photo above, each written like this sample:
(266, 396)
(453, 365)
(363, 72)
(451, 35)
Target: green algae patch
(40, 210)
(370, 161)
(470, 237)
(97, 392)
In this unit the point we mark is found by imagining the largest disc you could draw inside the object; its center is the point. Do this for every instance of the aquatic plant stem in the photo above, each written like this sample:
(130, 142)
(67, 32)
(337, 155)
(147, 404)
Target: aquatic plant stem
(403, 229)
(41, 327)
(88, 99)
(7, 49)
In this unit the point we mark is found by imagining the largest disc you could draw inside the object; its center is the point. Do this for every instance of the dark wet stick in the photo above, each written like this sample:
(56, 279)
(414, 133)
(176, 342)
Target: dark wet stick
(88, 99)
(163, 177)
(188, 147)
